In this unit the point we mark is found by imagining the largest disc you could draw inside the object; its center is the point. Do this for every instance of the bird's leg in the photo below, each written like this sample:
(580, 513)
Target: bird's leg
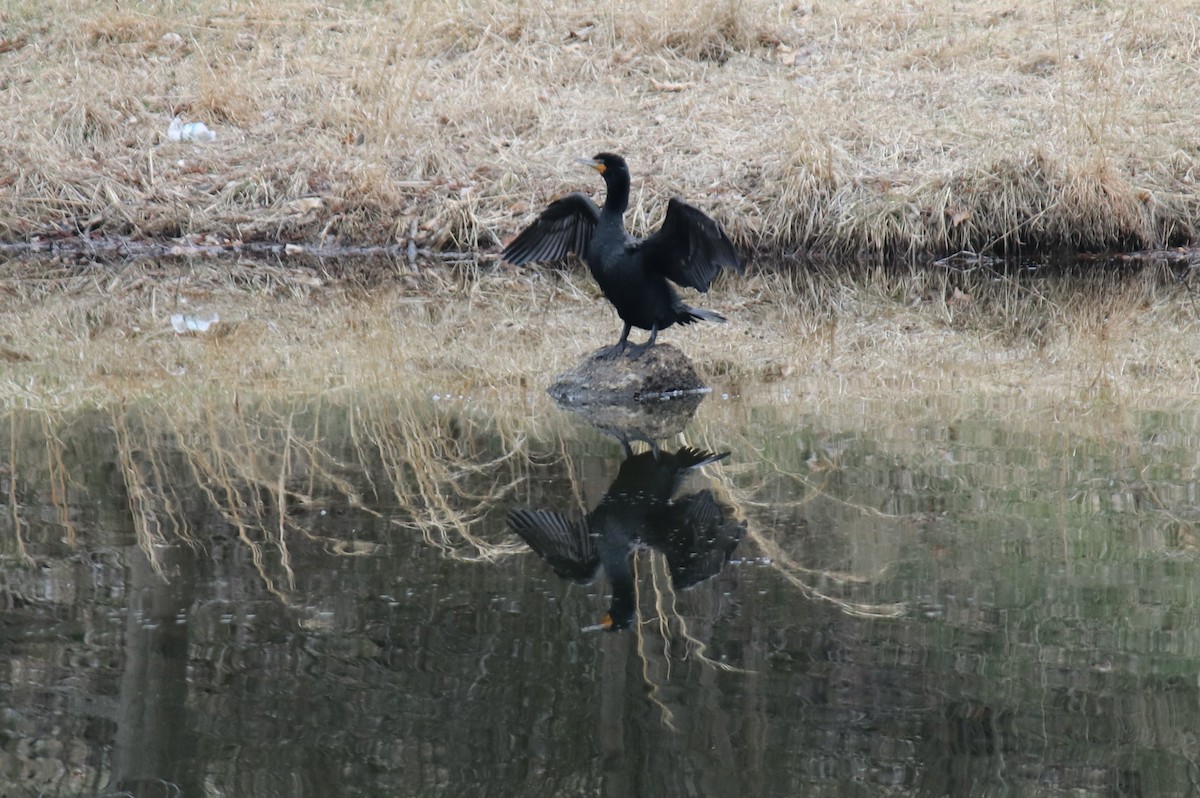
(619, 347)
(625, 446)
(637, 351)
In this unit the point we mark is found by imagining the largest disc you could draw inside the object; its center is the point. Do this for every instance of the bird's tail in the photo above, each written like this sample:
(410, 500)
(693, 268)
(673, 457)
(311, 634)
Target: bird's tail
(690, 457)
(690, 315)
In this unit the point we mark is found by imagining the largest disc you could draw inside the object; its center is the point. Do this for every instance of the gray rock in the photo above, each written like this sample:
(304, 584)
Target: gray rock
(650, 398)
(662, 371)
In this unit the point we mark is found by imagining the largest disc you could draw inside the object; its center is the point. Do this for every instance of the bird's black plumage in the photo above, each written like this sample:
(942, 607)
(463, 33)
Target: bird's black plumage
(640, 508)
(689, 250)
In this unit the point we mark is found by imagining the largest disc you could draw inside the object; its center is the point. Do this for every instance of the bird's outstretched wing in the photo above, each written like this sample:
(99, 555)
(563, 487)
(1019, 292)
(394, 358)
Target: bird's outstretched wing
(567, 547)
(565, 226)
(690, 248)
(700, 538)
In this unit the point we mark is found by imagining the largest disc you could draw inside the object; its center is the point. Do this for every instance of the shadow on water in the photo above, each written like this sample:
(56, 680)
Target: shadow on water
(324, 597)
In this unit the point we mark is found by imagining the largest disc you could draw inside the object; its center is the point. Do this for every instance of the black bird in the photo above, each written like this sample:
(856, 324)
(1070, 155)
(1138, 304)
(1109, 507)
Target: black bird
(692, 531)
(689, 249)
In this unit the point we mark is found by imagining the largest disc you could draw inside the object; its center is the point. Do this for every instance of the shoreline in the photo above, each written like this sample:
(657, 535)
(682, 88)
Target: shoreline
(407, 254)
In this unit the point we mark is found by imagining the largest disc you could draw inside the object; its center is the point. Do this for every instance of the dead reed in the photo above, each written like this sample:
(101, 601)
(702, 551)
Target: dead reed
(267, 472)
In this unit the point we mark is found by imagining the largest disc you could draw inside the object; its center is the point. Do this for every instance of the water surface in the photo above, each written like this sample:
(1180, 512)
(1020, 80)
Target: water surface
(322, 597)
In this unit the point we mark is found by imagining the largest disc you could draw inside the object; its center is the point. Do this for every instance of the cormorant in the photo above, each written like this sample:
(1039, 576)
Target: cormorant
(692, 531)
(689, 249)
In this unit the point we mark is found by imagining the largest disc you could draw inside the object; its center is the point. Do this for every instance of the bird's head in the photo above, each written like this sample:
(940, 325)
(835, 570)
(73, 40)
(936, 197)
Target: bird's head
(621, 612)
(610, 624)
(622, 608)
(607, 164)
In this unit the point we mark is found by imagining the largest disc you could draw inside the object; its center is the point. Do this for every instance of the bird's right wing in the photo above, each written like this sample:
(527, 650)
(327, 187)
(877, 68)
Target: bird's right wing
(565, 545)
(565, 226)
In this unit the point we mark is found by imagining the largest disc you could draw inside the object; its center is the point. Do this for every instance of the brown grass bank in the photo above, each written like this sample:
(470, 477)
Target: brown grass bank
(842, 127)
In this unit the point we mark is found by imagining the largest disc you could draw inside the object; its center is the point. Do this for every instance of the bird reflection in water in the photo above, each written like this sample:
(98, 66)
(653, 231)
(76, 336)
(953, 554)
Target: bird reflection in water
(696, 535)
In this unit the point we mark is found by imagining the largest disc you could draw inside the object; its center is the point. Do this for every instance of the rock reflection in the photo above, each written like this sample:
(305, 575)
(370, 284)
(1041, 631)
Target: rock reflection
(696, 534)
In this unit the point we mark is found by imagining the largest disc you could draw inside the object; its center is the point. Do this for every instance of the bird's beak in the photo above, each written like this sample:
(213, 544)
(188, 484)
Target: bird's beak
(605, 625)
(592, 162)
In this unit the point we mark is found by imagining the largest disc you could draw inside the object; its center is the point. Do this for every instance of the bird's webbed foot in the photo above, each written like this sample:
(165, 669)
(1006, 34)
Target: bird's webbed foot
(617, 349)
(637, 351)
(613, 352)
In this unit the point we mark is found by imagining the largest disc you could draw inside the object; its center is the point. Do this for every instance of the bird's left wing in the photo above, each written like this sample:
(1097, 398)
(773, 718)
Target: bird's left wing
(700, 538)
(565, 226)
(690, 248)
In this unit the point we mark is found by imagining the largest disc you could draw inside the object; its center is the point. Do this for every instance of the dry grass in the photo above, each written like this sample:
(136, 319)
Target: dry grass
(842, 127)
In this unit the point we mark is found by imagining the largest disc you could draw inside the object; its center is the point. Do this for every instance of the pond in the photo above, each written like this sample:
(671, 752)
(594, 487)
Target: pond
(325, 596)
